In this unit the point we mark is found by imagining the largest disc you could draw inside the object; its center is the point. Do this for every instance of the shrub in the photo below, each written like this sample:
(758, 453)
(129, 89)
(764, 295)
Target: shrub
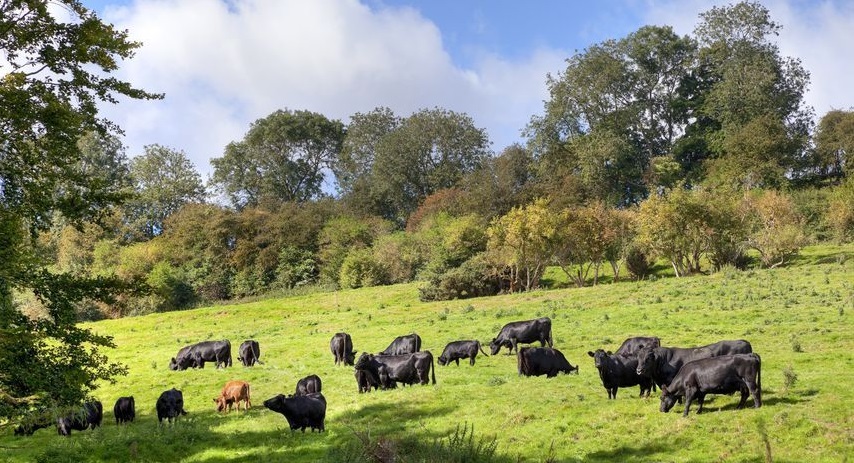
(776, 230)
(297, 267)
(474, 278)
(637, 263)
(360, 269)
(840, 214)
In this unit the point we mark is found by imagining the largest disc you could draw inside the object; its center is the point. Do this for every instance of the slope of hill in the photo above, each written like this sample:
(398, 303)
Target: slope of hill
(797, 318)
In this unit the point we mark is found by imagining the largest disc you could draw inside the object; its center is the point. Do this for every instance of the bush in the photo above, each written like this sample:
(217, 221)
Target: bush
(296, 268)
(474, 278)
(840, 214)
(637, 263)
(360, 269)
(776, 228)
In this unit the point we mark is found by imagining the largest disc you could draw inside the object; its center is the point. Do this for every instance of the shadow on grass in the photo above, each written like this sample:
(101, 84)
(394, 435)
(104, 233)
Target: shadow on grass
(196, 438)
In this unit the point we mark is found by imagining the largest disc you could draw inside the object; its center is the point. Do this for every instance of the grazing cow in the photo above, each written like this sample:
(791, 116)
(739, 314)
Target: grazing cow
(537, 361)
(366, 380)
(526, 332)
(724, 374)
(233, 392)
(124, 410)
(408, 344)
(308, 385)
(662, 363)
(341, 346)
(617, 371)
(630, 346)
(89, 417)
(29, 427)
(304, 411)
(406, 369)
(457, 350)
(195, 355)
(249, 352)
(170, 405)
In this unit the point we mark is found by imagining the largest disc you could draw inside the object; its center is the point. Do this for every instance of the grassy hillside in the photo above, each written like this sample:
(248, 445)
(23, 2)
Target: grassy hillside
(797, 318)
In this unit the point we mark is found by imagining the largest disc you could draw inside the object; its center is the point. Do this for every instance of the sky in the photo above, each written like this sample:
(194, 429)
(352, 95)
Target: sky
(223, 64)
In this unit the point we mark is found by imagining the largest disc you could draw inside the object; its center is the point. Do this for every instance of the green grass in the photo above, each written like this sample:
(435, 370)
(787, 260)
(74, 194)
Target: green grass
(797, 318)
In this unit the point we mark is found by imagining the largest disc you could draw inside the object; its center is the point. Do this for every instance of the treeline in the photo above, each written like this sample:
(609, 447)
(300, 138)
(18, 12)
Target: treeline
(692, 149)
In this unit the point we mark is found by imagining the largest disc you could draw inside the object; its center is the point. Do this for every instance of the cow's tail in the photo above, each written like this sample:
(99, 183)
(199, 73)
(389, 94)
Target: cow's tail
(521, 364)
(479, 346)
(417, 342)
(551, 341)
(433, 368)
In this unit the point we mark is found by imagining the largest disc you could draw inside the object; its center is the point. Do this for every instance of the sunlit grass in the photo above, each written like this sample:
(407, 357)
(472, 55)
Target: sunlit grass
(808, 304)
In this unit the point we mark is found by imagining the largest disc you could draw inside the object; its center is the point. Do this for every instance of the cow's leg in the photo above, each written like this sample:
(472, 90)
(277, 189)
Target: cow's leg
(615, 392)
(458, 361)
(471, 360)
(513, 346)
(689, 397)
(701, 398)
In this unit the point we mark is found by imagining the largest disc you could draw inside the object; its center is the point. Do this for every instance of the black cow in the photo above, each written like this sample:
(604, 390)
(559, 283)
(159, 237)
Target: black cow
(89, 417)
(526, 332)
(662, 363)
(630, 346)
(124, 410)
(195, 355)
(249, 352)
(408, 344)
(724, 374)
(457, 350)
(366, 380)
(28, 427)
(406, 369)
(170, 405)
(537, 361)
(341, 346)
(618, 371)
(304, 411)
(308, 385)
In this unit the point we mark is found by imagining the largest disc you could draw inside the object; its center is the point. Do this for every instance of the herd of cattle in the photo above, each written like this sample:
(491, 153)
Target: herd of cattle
(724, 367)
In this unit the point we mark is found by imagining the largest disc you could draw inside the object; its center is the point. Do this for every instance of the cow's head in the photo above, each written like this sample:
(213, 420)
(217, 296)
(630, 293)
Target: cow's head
(599, 358)
(173, 364)
(221, 403)
(646, 361)
(349, 357)
(364, 360)
(276, 404)
(442, 360)
(494, 346)
(668, 399)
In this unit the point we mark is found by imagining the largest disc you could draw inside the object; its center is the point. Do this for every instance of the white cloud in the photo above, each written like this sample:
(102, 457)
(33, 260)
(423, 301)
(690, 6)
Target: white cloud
(223, 65)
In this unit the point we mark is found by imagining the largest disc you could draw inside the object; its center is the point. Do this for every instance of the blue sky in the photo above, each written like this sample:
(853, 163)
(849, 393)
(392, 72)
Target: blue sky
(223, 64)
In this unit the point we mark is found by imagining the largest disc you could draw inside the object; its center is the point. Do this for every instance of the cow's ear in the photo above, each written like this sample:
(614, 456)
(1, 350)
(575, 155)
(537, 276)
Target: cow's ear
(641, 346)
(608, 352)
(590, 353)
(663, 389)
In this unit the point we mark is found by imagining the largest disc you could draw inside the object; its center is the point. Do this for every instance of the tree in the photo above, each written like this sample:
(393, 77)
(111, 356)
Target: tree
(754, 95)
(431, 150)
(673, 226)
(359, 150)
(776, 230)
(502, 183)
(56, 73)
(834, 145)
(164, 180)
(625, 90)
(281, 158)
(522, 241)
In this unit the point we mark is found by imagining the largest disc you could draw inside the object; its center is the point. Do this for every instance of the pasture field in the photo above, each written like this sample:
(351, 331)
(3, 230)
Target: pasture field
(797, 318)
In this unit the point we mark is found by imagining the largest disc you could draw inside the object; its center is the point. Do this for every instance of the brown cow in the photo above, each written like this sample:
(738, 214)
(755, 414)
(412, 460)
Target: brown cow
(233, 391)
